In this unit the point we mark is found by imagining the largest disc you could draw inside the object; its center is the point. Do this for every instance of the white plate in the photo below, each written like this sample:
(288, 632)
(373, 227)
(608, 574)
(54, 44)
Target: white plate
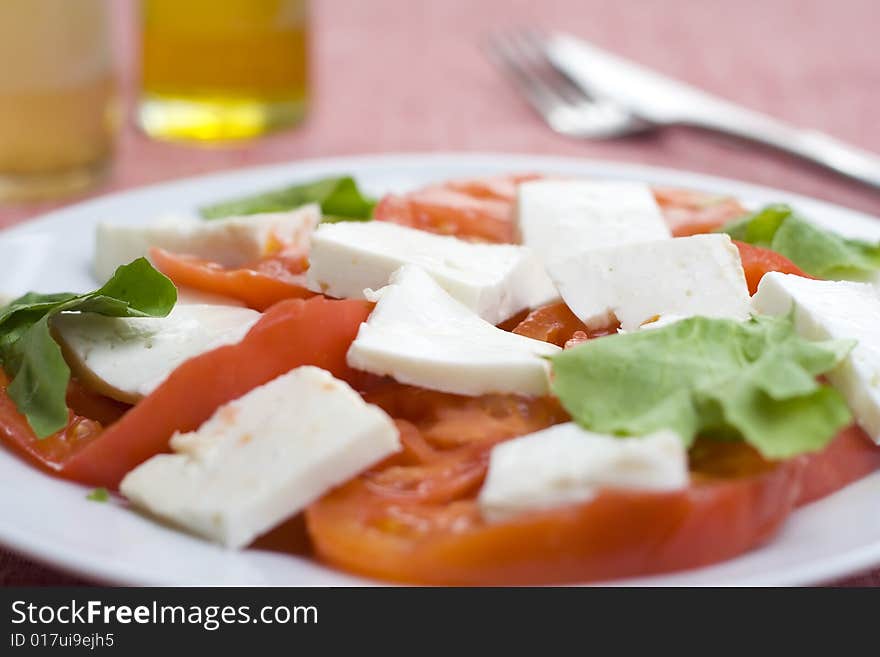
(51, 520)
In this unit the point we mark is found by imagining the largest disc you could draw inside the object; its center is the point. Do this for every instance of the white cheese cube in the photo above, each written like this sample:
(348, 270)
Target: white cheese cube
(420, 335)
(636, 283)
(566, 464)
(232, 242)
(496, 281)
(561, 218)
(835, 310)
(126, 358)
(263, 458)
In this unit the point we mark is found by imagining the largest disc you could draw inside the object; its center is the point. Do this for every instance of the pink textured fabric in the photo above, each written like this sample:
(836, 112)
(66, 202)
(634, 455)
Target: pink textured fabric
(409, 76)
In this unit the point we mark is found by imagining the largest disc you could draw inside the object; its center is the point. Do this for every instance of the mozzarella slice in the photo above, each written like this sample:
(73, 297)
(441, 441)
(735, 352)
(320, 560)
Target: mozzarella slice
(561, 218)
(264, 457)
(836, 310)
(232, 242)
(566, 464)
(496, 281)
(126, 358)
(420, 335)
(634, 283)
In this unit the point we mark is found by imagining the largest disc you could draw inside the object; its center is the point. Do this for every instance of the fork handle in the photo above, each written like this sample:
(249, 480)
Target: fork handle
(813, 146)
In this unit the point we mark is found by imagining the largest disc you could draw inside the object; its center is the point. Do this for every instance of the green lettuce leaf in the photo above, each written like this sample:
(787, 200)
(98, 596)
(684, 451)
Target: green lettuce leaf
(753, 380)
(339, 198)
(32, 358)
(819, 252)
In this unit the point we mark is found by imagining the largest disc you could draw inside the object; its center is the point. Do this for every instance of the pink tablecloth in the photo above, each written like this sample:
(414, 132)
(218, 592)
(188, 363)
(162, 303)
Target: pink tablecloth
(409, 75)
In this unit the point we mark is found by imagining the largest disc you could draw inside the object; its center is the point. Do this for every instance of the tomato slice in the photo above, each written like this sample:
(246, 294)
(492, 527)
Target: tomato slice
(85, 402)
(502, 188)
(414, 518)
(757, 261)
(259, 286)
(53, 452)
(730, 507)
(689, 212)
(445, 421)
(291, 333)
(480, 209)
(850, 457)
(556, 323)
(615, 535)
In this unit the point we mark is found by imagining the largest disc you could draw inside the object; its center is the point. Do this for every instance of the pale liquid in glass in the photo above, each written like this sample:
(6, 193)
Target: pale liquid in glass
(57, 98)
(214, 71)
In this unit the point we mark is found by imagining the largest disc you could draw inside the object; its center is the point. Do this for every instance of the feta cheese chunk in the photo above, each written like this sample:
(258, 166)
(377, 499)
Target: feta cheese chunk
(231, 242)
(566, 464)
(420, 335)
(835, 310)
(495, 281)
(263, 458)
(634, 283)
(126, 358)
(561, 218)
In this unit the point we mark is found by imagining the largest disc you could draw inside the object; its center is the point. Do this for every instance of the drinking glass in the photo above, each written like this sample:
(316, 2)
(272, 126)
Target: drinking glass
(58, 109)
(214, 71)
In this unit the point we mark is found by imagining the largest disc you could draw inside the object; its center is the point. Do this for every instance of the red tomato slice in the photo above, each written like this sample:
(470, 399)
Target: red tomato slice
(615, 535)
(688, 212)
(850, 457)
(53, 452)
(292, 333)
(480, 209)
(445, 421)
(260, 286)
(419, 537)
(757, 261)
(415, 519)
(502, 188)
(87, 403)
(557, 324)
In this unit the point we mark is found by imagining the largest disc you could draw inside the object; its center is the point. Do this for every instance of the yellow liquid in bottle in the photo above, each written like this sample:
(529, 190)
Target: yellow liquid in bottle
(214, 71)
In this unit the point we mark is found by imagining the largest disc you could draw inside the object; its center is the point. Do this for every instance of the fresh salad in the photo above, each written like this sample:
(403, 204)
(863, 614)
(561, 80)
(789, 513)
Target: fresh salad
(515, 380)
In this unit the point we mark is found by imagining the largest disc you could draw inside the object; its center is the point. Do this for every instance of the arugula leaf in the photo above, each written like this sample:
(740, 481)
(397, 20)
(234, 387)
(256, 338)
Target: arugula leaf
(716, 377)
(32, 358)
(339, 198)
(819, 252)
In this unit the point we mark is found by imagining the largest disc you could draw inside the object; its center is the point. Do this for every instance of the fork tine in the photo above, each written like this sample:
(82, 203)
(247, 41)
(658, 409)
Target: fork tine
(510, 59)
(532, 43)
(564, 106)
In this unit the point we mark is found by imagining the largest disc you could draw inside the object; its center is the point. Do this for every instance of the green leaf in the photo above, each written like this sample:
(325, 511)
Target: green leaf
(819, 252)
(135, 290)
(755, 380)
(33, 360)
(99, 495)
(339, 198)
(39, 386)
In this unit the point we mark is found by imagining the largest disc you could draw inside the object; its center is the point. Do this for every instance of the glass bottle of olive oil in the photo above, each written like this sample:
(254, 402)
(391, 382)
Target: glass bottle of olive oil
(215, 71)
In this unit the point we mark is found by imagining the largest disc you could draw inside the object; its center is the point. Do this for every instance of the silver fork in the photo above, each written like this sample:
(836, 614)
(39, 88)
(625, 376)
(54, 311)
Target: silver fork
(568, 82)
(565, 107)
